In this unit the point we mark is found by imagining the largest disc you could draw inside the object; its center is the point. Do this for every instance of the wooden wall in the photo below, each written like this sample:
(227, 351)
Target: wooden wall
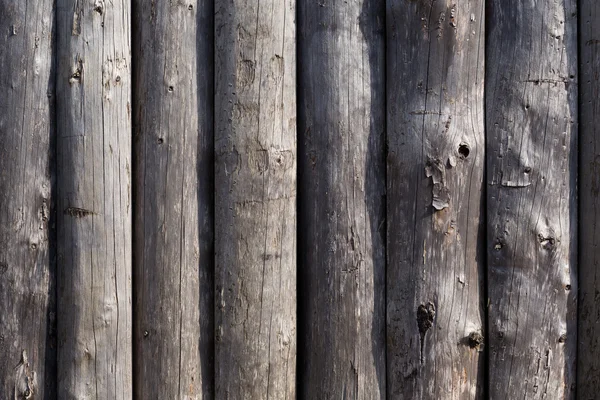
(316, 199)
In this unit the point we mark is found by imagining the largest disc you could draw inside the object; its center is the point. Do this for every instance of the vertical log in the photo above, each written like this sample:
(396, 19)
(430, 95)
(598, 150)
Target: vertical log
(255, 231)
(94, 200)
(531, 121)
(173, 192)
(588, 367)
(342, 205)
(436, 155)
(27, 345)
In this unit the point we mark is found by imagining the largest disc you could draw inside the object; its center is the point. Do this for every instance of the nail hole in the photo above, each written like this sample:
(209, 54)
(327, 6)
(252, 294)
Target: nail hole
(527, 170)
(170, 88)
(463, 151)
(190, 7)
(527, 106)
(568, 287)
(160, 140)
(118, 79)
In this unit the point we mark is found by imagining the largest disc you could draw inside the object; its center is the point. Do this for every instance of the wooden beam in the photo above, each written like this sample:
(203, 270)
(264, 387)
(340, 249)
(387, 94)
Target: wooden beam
(27, 268)
(436, 155)
(255, 199)
(588, 366)
(94, 200)
(173, 193)
(531, 121)
(341, 123)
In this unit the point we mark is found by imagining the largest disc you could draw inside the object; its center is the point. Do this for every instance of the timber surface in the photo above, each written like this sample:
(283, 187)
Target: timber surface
(435, 160)
(94, 209)
(531, 122)
(341, 133)
(173, 193)
(255, 200)
(172, 227)
(588, 368)
(27, 268)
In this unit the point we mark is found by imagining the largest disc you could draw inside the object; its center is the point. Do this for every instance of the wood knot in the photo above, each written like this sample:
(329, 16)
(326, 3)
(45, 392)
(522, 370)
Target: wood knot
(475, 340)
(562, 338)
(463, 151)
(425, 317)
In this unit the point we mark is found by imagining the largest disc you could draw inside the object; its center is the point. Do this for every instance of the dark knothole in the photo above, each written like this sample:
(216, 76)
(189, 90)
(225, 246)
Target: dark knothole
(464, 150)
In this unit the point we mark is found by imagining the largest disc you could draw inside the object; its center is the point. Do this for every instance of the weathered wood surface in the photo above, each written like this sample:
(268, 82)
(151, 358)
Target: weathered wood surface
(94, 207)
(341, 125)
(173, 193)
(588, 366)
(27, 339)
(531, 120)
(255, 200)
(436, 154)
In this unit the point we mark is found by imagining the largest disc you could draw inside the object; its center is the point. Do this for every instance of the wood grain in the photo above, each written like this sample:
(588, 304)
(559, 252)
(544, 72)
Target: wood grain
(173, 197)
(531, 121)
(341, 233)
(588, 363)
(27, 136)
(435, 207)
(94, 200)
(255, 200)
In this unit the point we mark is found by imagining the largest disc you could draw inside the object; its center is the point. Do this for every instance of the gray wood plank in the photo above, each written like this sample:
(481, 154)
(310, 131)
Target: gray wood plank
(588, 366)
(173, 194)
(94, 239)
(255, 200)
(341, 124)
(531, 121)
(27, 269)
(435, 179)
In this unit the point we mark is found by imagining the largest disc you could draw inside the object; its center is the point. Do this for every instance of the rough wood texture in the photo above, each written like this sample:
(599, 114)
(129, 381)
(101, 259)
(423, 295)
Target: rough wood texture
(531, 120)
(588, 368)
(341, 123)
(94, 200)
(255, 231)
(436, 155)
(173, 194)
(27, 344)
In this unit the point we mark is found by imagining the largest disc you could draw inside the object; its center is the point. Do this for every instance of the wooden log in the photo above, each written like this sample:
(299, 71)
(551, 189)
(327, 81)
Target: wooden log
(255, 200)
(94, 200)
(173, 193)
(27, 270)
(531, 121)
(436, 155)
(341, 123)
(588, 367)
